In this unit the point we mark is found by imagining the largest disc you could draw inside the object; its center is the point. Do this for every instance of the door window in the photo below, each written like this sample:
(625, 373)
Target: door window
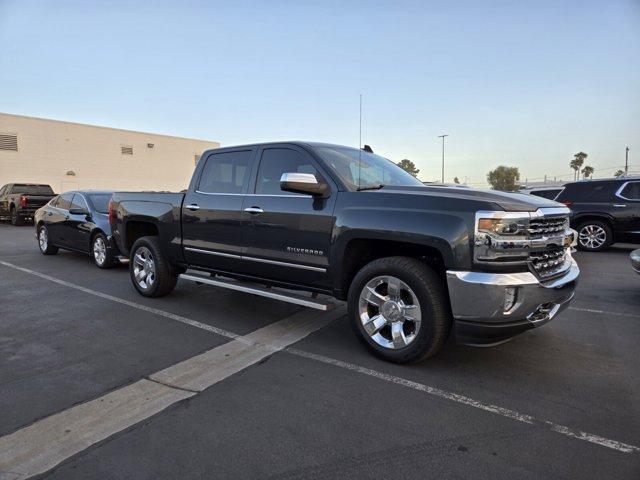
(79, 202)
(64, 201)
(275, 162)
(631, 191)
(226, 172)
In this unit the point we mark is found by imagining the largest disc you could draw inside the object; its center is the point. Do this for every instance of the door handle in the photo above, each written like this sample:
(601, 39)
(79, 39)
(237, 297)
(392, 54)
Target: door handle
(253, 210)
(193, 206)
(619, 205)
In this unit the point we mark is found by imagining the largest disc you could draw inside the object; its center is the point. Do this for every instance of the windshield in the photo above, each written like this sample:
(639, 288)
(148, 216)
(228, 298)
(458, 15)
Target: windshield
(32, 189)
(373, 170)
(100, 201)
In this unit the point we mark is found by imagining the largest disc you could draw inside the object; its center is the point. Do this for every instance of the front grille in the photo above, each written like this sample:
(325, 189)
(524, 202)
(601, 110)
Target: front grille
(547, 226)
(549, 263)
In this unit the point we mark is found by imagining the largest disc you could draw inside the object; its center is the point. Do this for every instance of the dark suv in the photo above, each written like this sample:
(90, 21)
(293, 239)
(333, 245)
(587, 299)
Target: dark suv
(604, 211)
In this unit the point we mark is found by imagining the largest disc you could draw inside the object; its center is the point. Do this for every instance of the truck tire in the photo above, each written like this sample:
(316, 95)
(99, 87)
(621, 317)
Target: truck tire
(398, 309)
(152, 275)
(594, 236)
(102, 256)
(16, 220)
(44, 243)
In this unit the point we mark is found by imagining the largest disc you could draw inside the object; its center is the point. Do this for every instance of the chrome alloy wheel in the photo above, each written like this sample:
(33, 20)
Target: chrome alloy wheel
(592, 236)
(99, 250)
(43, 239)
(144, 268)
(390, 312)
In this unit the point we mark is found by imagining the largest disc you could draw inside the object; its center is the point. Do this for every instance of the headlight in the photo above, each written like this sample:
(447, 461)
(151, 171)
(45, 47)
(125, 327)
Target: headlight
(502, 226)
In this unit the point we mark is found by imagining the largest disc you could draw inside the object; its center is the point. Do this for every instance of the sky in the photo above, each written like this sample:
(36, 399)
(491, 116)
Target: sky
(518, 83)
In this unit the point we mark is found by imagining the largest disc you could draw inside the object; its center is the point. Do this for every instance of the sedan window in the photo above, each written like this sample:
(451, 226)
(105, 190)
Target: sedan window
(64, 201)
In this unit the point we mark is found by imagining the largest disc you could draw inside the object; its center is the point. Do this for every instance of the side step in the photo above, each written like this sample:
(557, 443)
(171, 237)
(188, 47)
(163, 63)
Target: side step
(261, 291)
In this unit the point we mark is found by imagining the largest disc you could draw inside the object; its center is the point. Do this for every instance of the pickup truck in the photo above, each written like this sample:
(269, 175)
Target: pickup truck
(19, 201)
(415, 263)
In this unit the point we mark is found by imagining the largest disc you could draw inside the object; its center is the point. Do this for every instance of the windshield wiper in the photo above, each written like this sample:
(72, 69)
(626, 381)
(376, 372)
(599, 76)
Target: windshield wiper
(371, 187)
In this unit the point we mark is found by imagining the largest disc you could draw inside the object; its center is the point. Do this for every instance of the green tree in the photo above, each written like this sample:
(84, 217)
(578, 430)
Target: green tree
(576, 164)
(504, 178)
(619, 173)
(408, 166)
(587, 171)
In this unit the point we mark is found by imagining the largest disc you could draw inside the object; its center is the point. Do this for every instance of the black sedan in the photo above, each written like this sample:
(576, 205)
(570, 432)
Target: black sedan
(77, 221)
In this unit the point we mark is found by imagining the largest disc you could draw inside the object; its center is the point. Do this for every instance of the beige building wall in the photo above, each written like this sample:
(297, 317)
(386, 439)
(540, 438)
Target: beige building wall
(49, 151)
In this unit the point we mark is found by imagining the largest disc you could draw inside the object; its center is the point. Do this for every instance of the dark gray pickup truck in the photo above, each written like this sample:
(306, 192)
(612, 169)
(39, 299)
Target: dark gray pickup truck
(19, 201)
(415, 263)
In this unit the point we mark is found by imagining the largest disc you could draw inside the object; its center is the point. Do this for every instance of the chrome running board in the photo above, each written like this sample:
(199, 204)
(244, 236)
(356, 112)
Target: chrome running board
(255, 289)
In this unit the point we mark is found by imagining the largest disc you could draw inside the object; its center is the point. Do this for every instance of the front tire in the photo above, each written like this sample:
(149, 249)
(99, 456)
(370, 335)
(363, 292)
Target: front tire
(594, 236)
(398, 309)
(152, 275)
(102, 255)
(44, 242)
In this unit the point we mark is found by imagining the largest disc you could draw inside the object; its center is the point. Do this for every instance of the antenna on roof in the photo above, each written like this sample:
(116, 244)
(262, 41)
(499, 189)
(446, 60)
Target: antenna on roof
(360, 146)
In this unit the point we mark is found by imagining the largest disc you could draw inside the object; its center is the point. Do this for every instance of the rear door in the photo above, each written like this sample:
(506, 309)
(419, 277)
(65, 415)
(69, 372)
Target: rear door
(290, 233)
(56, 221)
(213, 228)
(77, 229)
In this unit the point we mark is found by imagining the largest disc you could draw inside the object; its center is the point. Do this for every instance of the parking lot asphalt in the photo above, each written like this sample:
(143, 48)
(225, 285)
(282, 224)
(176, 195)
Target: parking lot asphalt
(561, 401)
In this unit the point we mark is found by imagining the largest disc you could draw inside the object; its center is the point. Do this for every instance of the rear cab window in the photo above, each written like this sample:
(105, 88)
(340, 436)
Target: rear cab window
(226, 172)
(32, 189)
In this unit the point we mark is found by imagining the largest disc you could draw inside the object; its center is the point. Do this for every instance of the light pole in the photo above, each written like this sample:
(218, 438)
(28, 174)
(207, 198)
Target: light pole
(442, 136)
(626, 162)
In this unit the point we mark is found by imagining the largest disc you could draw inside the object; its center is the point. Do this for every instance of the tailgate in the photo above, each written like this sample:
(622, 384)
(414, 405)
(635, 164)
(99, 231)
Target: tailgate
(37, 201)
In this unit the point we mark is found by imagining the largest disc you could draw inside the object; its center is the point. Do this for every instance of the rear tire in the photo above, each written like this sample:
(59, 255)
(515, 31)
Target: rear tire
(419, 319)
(594, 236)
(152, 275)
(44, 242)
(16, 220)
(102, 256)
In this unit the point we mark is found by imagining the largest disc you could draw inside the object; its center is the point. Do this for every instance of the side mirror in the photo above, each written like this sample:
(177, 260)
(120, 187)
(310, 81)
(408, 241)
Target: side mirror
(79, 211)
(303, 183)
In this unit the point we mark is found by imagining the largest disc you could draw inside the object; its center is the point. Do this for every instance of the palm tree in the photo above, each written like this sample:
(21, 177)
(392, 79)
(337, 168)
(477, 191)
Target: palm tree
(587, 171)
(619, 173)
(577, 162)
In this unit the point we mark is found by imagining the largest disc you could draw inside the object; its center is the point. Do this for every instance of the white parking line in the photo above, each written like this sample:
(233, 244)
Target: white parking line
(616, 314)
(41, 446)
(504, 412)
(170, 376)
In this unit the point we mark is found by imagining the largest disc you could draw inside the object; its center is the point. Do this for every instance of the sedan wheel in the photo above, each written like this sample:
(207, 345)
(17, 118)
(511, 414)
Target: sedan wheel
(43, 240)
(99, 250)
(144, 268)
(390, 312)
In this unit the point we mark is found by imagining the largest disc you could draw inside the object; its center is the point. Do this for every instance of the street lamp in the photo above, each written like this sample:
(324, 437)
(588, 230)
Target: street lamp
(442, 136)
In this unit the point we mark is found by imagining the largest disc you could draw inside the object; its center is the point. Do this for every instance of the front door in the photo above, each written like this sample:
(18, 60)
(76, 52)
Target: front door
(290, 233)
(78, 227)
(212, 221)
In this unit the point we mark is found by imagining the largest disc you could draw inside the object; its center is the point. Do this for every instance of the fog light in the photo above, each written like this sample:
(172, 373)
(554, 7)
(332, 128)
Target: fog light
(510, 297)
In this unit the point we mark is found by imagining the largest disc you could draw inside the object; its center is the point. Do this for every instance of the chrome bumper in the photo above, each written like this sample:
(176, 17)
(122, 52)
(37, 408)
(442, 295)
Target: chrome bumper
(486, 313)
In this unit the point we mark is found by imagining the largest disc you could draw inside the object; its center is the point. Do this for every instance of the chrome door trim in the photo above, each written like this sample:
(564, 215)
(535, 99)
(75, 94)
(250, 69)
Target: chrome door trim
(285, 264)
(211, 252)
(255, 259)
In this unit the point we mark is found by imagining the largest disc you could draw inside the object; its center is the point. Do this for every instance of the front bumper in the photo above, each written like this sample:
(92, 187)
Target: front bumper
(491, 308)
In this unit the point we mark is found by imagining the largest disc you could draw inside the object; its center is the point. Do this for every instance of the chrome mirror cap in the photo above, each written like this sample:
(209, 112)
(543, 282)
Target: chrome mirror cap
(305, 183)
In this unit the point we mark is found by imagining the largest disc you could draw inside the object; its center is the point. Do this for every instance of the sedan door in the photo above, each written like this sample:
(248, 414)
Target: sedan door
(290, 233)
(78, 227)
(56, 217)
(213, 228)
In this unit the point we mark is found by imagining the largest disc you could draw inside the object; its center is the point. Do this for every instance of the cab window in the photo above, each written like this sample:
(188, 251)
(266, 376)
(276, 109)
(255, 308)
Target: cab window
(276, 161)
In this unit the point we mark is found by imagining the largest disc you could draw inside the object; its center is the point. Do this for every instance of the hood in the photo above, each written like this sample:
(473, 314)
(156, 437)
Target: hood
(509, 202)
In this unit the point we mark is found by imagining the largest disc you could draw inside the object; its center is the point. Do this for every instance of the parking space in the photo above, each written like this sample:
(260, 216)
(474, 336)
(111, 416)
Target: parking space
(325, 408)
